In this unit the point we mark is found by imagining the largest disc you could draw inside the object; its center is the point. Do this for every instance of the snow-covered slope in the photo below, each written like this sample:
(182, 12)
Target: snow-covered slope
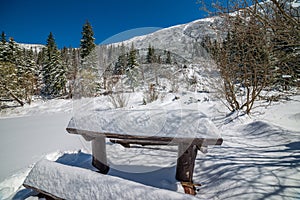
(183, 40)
(34, 47)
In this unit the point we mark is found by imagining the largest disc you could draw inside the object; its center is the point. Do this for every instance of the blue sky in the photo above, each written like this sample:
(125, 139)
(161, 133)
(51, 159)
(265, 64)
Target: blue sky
(30, 21)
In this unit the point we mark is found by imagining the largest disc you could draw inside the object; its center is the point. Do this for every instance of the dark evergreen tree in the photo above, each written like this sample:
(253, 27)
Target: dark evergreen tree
(3, 48)
(18, 70)
(168, 59)
(87, 44)
(131, 69)
(121, 64)
(29, 75)
(12, 70)
(89, 68)
(13, 51)
(150, 54)
(54, 72)
(3, 37)
(9, 82)
(70, 58)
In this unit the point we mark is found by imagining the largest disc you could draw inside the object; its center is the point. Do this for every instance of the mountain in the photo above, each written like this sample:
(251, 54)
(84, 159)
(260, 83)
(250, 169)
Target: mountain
(35, 47)
(184, 40)
(191, 67)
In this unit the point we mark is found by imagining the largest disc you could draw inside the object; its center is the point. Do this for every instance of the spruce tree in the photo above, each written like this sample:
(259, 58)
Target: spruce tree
(131, 69)
(87, 44)
(3, 37)
(88, 71)
(54, 72)
(168, 59)
(150, 54)
(121, 64)
(29, 78)
(3, 48)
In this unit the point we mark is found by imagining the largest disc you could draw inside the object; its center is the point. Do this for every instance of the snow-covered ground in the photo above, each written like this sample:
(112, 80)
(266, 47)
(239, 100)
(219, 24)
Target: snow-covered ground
(259, 158)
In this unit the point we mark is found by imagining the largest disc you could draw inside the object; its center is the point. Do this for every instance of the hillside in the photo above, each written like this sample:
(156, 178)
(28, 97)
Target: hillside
(183, 40)
(34, 47)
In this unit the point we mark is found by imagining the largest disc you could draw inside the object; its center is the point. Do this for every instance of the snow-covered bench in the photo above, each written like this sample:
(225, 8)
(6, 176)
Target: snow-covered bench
(60, 181)
(189, 129)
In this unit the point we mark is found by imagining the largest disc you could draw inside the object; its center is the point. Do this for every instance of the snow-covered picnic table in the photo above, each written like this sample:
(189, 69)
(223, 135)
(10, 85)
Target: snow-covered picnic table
(191, 130)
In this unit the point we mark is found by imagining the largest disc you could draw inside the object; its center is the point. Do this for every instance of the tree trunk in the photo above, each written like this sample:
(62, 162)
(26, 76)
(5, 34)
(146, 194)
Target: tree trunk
(14, 96)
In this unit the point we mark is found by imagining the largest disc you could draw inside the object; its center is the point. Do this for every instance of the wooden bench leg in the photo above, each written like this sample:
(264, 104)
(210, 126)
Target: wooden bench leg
(99, 155)
(185, 167)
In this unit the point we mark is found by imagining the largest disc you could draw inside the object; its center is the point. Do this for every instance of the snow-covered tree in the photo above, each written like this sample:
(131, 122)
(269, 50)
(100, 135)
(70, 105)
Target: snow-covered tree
(9, 86)
(29, 75)
(54, 72)
(71, 59)
(3, 48)
(87, 43)
(150, 54)
(88, 76)
(132, 68)
(168, 59)
(121, 63)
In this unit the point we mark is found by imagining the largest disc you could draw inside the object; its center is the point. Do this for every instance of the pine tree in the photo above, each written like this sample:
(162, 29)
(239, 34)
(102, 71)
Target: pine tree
(70, 59)
(88, 71)
(54, 72)
(3, 37)
(87, 44)
(131, 69)
(168, 59)
(29, 78)
(13, 52)
(150, 54)
(9, 81)
(3, 48)
(121, 64)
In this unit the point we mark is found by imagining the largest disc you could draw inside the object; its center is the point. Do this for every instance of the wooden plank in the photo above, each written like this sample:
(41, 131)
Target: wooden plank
(169, 140)
(126, 143)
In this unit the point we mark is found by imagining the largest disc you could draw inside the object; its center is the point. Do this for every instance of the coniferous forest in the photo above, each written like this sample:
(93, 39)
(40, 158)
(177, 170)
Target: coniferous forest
(257, 50)
(46, 72)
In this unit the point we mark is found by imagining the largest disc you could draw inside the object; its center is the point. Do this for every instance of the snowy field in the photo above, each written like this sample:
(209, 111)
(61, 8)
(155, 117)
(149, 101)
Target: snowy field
(259, 158)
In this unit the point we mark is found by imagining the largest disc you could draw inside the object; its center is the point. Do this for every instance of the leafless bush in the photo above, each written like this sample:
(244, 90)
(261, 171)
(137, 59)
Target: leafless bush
(119, 99)
(151, 94)
(117, 95)
(262, 44)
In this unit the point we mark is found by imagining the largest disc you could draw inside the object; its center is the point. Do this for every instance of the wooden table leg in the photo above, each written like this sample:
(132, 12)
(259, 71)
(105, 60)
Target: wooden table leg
(185, 167)
(99, 155)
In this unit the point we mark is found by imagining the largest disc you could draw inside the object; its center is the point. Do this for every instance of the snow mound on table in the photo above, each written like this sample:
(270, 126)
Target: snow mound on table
(76, 183)
(180, 123)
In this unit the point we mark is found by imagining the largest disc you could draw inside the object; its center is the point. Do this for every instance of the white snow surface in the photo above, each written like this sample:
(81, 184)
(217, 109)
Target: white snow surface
(259, 158)
(180, 123)
(180, 39)
(78, 183)
(34, 47)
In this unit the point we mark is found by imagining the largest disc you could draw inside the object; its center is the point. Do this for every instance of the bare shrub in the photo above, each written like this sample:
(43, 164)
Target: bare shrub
(262, 45)
(151, 94)
(119, 99)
